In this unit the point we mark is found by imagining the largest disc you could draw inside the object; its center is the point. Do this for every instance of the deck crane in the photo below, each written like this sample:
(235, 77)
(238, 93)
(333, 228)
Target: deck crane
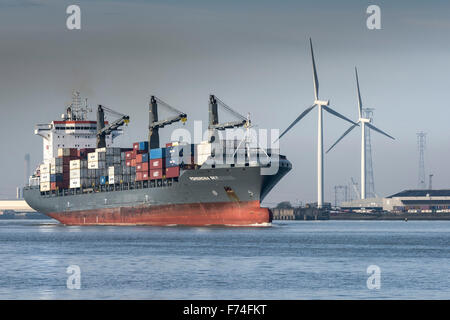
(103, 131)
(214, 124)
(155, 124)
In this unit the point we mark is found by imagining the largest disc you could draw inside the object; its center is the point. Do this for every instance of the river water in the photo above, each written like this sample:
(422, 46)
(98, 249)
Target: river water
(290, 260)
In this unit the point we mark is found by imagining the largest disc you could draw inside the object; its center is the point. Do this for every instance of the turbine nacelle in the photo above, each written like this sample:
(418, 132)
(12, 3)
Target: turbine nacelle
(365, 120)
(322, 102)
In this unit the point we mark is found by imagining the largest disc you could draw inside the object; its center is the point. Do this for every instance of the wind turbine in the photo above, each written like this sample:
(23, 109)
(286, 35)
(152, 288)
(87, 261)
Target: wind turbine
(321, 105)
(364, 122)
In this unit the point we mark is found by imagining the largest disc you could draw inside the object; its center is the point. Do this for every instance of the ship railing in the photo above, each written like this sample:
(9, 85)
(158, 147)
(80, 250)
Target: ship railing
(157, 183)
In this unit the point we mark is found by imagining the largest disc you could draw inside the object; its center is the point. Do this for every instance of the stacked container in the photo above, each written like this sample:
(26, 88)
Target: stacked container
(142, 161)
(157, 163)
(79, 174)
(203, 152)
(115, 174)
(45, 176)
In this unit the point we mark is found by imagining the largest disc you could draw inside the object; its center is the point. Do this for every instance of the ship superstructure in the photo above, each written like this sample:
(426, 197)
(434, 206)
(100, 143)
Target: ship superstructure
(74, 130)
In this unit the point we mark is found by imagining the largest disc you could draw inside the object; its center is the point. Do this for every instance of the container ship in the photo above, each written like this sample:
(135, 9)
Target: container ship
(85, 180)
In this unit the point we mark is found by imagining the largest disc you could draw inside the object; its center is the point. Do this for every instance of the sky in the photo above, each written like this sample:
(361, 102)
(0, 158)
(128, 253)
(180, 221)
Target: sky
(253, 55)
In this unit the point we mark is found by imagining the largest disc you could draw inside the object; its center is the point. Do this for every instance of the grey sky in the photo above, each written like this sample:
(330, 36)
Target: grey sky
(254, 56)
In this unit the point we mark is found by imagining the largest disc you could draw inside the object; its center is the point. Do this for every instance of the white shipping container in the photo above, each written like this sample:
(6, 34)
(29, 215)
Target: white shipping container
(45, 186)
(114, 170)
(201, 158)
(204, 149)
(115, 179)
(96, 165)
(78, 183)
(78, 164)
(45, 168)
(78, 173)
(45, 177)
(96, 156)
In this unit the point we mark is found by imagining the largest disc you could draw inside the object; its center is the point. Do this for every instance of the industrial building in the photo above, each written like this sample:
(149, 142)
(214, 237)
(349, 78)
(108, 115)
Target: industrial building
(411, 201)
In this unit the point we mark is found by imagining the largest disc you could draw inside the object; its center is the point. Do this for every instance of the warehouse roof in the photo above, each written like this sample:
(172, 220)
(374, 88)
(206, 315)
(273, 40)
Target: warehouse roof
(422, 193)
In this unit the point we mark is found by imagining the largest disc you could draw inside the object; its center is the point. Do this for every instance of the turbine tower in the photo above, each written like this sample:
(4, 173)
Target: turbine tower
(365, 122)
(370, 182)
(421, 143)
(321, 105)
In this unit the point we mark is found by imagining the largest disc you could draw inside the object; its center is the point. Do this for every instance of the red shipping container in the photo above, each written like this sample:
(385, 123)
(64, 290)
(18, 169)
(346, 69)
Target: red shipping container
(139, 176)
(73, 152)
(129, 155)
(156, 164)
(138, 158)
(66, 160)
(133, 162)
(128, 163)
(168, 144)
(172, 172)
(142, 167)
(136, 146)
(145, 175)
(155, 174)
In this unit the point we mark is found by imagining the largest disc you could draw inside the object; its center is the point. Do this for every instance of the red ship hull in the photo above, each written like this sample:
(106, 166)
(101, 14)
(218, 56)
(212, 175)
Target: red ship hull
(193, 214)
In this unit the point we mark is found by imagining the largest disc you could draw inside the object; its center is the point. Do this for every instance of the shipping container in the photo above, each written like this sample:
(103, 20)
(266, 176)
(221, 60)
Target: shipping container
(139, 176)
(155, 174)
(96, 164)
(172, 172)
(157, 153)
(156, 164)
(45, 186)
(45, 168)
(67, 152)
(115, 179)
(103, 180)
(78, 164)
(78, 173)
(201, 158)
(129, 155)
(143, 146)
(45, 177)
(142, 167)
(79, 183)
(203, 149)
(175, 161)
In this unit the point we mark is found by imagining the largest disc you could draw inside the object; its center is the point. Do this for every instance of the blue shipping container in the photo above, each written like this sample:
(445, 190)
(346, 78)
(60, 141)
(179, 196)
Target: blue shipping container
(173, 161)
(179, 151)
(157, 153)
(103, 180)
(145, 157)
(56, 177)
(143, 146)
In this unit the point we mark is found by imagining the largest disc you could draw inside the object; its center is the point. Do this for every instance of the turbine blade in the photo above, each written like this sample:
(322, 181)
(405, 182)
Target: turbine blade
(371, 126)
(304, 113)
(345, 133)
(316, 80)
(337, 114)
(359, 94)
